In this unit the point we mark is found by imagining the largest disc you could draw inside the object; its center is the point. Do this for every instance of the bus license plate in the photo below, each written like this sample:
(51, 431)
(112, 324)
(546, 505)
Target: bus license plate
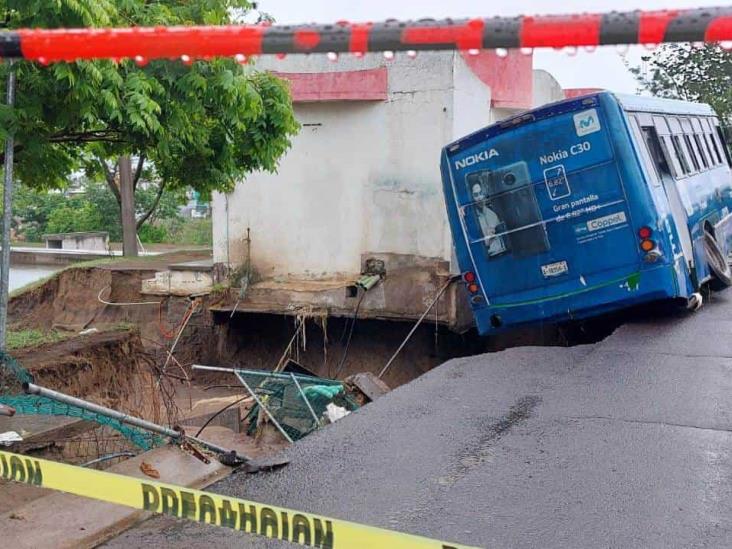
(554, 269)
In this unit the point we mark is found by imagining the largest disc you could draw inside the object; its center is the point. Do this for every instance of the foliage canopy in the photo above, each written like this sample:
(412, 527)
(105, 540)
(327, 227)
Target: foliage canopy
(684, 71)
(203, 124)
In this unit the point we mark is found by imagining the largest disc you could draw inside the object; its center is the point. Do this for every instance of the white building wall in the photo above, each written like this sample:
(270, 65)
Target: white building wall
(546, 88)
(360, 177)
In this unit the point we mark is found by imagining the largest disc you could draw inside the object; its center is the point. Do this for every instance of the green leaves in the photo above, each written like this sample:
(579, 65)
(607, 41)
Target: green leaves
(206, 125)
(683, 71)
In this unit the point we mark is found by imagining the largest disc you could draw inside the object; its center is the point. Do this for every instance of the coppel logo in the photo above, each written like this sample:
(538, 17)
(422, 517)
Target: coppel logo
(587, 122)
(607, 221)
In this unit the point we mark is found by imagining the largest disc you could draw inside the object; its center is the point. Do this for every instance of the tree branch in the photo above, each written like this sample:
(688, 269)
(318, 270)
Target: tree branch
(138, 171)
(145, 217)
(109, 176)
(109, 136)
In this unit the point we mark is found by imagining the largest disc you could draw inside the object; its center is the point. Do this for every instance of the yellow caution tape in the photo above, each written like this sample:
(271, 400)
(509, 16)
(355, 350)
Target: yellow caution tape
(207, 508)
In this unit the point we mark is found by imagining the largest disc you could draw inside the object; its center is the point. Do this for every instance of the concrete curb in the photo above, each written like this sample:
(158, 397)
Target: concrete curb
(66, 521)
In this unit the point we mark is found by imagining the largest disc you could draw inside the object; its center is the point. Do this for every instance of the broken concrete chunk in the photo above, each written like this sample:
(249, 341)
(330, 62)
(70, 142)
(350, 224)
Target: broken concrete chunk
(368, 384)
(10, 438)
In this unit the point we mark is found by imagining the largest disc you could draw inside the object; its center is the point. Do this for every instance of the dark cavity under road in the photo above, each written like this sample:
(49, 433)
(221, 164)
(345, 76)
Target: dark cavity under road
(624, 443)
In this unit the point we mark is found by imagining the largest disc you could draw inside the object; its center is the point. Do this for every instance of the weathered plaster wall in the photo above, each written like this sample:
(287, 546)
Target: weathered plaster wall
(363, 175)
(546, 88)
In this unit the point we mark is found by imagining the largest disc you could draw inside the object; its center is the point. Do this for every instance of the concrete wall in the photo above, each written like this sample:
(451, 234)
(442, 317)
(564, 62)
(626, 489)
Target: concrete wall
(362, 176)
(546, 89)
(92, 241)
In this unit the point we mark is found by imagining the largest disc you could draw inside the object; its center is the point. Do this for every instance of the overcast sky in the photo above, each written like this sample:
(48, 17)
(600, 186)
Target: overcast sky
(600, 69)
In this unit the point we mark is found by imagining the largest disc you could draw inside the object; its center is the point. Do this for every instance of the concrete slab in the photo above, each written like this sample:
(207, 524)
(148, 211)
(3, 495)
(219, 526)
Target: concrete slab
(40, 431)
(66, 521)
(201, 265)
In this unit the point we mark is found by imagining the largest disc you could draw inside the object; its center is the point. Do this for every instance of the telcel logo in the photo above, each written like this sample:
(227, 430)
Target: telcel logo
(474, 159)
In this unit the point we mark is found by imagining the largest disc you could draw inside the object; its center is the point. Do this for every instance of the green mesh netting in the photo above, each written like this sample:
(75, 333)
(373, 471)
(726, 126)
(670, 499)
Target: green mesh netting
(12, 377)
(288, 403)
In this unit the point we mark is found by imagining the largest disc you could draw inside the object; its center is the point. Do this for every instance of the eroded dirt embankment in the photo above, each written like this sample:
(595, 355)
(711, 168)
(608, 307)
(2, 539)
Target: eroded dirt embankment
(103, 366)
(114, 364)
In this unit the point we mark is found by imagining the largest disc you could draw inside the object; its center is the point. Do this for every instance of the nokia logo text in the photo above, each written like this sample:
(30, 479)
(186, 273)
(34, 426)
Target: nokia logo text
(474, 159)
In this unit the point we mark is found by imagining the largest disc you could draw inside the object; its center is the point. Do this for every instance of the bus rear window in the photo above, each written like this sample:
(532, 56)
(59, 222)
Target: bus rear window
(506, 212)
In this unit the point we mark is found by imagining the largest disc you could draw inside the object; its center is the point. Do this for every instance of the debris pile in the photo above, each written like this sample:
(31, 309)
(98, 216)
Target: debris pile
(297, 403)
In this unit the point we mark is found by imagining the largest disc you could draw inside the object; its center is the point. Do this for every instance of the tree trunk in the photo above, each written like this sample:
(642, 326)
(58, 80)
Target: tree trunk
(127, 195)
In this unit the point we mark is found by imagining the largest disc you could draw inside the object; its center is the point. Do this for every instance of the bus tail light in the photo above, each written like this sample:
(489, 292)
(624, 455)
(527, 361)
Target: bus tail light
(469, 277)
(648, 245)
(473, 288)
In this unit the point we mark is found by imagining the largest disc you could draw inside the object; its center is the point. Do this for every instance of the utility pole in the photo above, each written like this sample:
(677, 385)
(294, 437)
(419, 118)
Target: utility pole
(127, 195)
(7, 215)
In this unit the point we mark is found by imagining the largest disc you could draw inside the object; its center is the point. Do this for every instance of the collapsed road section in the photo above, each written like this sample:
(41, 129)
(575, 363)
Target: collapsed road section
(601, 445)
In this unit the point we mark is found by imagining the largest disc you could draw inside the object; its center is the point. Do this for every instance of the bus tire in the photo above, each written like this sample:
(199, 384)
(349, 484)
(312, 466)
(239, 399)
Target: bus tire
(718, 264)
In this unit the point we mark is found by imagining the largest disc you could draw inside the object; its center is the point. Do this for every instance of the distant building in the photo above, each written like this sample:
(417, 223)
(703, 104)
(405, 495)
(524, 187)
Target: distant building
(361, 188)
(195, 208)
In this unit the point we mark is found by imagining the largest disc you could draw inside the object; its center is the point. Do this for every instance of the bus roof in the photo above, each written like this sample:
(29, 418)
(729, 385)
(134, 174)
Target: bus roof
(632, 103)
(637, 103)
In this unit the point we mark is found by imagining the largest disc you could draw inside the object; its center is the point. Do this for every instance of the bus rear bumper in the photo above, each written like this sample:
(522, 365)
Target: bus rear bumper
(633, 289)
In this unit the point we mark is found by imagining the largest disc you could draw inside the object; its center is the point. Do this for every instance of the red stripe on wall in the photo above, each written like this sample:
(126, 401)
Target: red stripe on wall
(366, 85)
(510, 78)
(560, 31)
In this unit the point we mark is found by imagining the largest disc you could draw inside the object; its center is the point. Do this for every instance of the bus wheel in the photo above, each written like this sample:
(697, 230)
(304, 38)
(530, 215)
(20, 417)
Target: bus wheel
(722, 273)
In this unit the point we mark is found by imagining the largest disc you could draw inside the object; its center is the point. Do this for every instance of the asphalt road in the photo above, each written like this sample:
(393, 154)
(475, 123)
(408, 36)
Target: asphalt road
(625, 443)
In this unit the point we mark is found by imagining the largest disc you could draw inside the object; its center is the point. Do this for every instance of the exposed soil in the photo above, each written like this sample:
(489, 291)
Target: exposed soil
(101, 366)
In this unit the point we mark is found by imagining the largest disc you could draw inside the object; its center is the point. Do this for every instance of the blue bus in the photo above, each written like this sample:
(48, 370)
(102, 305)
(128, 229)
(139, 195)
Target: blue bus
(590, 205)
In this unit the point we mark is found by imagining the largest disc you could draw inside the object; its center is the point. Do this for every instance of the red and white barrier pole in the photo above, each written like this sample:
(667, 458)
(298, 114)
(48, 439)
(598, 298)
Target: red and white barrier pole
(555, 31)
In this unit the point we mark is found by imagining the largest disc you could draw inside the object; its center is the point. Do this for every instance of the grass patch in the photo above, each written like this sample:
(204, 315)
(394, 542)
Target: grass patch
(22, 339)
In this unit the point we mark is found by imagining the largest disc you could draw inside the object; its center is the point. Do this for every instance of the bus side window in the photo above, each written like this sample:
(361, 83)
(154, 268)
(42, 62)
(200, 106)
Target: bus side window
(725, 149)
(702, 152)
(678, 149)
(655, 148)
(715, 150)
(692, 153)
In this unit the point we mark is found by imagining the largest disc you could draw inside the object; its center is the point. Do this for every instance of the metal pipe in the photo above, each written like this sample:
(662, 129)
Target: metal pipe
(308, 379)
(7, 214)
(107, 458)
(194, 307)
(414, 329)
(177, 436)
(281, 363)
(305, 398)
(33, 389)
(263, 407)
